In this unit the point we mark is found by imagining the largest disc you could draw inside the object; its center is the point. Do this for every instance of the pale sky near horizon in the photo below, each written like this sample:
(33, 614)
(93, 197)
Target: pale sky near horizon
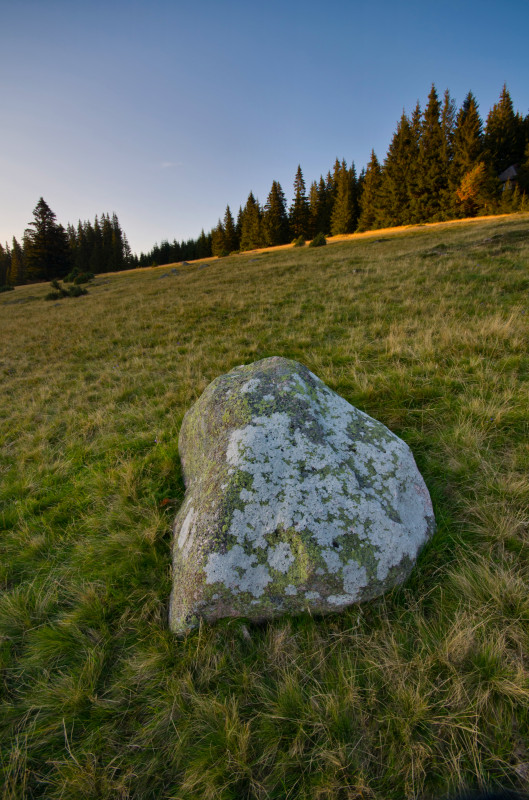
(164, 112)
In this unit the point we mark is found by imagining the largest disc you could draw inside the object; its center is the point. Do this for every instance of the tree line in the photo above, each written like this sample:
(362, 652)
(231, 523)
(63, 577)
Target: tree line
(442, 163)
(49, 251)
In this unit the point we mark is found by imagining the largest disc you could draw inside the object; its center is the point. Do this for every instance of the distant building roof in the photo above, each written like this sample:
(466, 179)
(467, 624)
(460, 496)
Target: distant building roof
(508, 174)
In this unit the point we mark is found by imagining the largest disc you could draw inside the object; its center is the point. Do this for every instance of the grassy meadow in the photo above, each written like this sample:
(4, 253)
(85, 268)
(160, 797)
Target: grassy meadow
(416, 695)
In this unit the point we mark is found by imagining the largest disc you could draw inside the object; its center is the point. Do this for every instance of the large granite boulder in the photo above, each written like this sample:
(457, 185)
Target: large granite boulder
(294, 499)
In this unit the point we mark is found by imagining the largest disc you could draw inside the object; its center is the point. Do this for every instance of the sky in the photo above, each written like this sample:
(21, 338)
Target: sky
(166, 111)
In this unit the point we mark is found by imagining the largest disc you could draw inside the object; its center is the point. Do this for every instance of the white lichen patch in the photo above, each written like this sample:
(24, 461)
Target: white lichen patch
(237, 571)
(296, 497)
(252, 384)
(281, 557)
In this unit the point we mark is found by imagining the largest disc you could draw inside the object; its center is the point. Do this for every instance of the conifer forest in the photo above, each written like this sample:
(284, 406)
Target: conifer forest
(442, 163)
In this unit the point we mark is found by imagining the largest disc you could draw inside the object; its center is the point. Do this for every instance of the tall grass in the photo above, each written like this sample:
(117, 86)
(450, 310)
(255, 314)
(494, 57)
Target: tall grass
(416, 695)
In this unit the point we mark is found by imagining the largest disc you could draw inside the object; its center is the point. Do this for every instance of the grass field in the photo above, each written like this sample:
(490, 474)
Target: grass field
(416, 695)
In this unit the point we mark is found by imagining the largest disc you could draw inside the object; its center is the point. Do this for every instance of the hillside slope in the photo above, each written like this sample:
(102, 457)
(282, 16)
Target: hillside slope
(413, 696)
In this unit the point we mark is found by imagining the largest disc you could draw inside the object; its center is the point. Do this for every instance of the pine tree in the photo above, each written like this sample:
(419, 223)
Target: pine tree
(275, 218)
(47, 251)
(432, 171)
(344, 214)
(82, 250)
(230, 234)
(17, 268)
(448, 125)
(120, 249)
(468, 140)
(370, 198)
(203, 245)
(218, 241)
(395, 184)
(413, 184)
(251, 229)
(504, 139)
(95, 241)
(314, 202)
(299, 210)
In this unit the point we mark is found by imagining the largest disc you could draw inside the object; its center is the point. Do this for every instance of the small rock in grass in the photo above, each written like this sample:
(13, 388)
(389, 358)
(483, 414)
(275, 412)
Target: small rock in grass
(295, 500)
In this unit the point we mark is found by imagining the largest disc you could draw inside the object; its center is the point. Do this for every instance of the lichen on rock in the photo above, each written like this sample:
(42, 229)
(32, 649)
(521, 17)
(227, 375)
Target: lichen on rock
(294, 500)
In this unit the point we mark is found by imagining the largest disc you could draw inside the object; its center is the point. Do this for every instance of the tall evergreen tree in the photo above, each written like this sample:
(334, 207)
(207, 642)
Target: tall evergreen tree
(504, 139)
(314, 202)
(17, 268)
(275, 219)
(251, 228)
(218, 241)
(467, 154)
(370, 199)
(203, 245)
(47, 251)
(230, 234)
(395, 185)
(95, 243)
(299, 210)
(345, 213)
(468, 139)
(448, 125)
(413, 183)
(432, 172)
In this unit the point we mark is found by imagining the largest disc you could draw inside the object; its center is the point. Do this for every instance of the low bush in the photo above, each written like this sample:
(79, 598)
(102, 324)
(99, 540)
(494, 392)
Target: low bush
(60, 291)
(7, 288)
(299, 242)
(318, 241)
(84, 277)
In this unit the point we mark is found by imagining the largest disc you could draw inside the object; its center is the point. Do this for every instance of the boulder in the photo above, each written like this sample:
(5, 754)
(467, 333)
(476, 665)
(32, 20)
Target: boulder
(294, 500)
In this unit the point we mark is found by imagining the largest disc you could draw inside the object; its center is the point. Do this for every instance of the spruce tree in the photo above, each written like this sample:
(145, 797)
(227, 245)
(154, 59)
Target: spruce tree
(448, 124)
(96, 247)
(344, 214)
(432, 171)
(251, 228)
(370, 198)
(299, 210)
(82, 250)
(413, 183)
(47, 250)
(218, 241)
(275, 218)
(314, 202)
(467, 155)
(395, 184)
(16, 274)
(504, 139)
(230, 234)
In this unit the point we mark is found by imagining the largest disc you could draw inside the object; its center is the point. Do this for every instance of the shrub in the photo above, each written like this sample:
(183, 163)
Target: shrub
(76, 276)
(60, 292)
(76, 290)
(7, 288)
(299, 242)
(84, 277)
(319, 240)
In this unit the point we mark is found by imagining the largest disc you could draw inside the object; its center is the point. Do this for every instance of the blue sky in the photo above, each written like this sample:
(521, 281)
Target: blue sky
(164, 112)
